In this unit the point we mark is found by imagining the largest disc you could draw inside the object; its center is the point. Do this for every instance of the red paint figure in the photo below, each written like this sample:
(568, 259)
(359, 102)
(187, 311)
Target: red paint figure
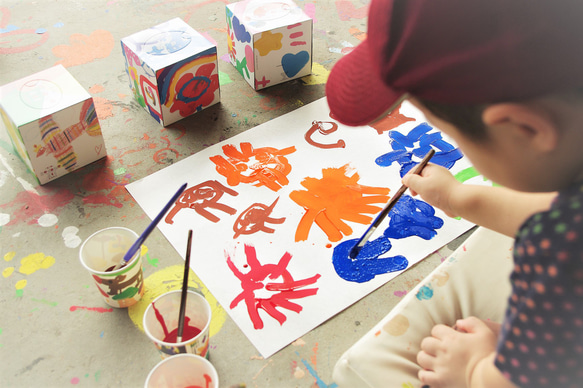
(319, 127)
(284, 290)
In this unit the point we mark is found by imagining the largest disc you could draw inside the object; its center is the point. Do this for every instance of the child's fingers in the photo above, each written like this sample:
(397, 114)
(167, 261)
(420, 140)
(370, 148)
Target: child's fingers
(470, 324)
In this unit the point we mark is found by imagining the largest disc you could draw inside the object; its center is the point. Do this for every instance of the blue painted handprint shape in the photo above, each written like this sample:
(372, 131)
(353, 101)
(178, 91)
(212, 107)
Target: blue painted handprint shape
(410, 217)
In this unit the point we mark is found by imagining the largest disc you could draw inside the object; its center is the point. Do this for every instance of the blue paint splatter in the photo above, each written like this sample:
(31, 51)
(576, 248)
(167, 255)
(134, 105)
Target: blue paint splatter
(319, 381)
(40, 30)
(59, 25)
(9, 28)
(425, 293)
(446, 156)
(240, 31)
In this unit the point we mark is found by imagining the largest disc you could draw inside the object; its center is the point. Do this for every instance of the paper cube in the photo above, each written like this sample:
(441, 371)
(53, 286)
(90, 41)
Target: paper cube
(270, 42)
(52, 122)
(173, 70)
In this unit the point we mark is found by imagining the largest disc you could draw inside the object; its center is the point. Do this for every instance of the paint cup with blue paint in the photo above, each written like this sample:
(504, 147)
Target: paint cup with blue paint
(161, 324)
(101, 252)
(183, 371)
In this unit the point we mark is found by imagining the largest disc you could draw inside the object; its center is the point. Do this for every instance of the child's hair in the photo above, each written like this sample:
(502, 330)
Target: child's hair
(466, 118)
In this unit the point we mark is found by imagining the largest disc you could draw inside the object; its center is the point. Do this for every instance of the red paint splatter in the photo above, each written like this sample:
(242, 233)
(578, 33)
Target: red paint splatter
(32, 205)
(283, 291)
(96, 309)
(346, 10)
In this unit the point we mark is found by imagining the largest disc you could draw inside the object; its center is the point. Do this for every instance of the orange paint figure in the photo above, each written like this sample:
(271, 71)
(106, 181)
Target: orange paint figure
(254, 218)
(334, 198)
(266, 166)
(199, 198)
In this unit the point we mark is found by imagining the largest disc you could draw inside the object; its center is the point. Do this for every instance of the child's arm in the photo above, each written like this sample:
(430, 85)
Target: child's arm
(497, 208)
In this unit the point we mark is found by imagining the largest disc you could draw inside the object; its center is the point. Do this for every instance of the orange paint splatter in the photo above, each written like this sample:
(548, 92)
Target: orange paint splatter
(334, 198)
(96, 88)
(85, 48)
(103, 107)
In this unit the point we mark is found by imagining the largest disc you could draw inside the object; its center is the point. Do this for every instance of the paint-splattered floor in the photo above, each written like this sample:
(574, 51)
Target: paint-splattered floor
(55, 330)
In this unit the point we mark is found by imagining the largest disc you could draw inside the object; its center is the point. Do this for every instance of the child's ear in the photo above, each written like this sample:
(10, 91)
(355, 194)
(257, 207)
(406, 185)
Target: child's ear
(534, 126)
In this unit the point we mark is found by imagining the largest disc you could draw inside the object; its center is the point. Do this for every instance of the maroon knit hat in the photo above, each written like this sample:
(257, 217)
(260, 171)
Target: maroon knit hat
(458, 52)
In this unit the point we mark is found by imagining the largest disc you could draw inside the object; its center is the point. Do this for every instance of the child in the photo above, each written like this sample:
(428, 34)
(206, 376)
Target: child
(504, 79)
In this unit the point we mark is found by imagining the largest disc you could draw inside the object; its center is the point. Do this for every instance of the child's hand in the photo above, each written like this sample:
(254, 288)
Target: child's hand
(435, 185)
(449, 356)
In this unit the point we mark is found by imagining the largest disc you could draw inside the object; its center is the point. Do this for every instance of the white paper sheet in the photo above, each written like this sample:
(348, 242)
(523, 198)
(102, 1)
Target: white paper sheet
(292, 284)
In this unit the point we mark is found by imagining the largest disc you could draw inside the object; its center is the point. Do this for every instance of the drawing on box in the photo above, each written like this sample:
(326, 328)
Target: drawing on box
(318, 126)
(254, 218)
(265, 166)
(334, 198)
(410, 217)
(446, 156)
(273, 278)
(58, 142)
(200, 197)
(185, 92)
(119, 287)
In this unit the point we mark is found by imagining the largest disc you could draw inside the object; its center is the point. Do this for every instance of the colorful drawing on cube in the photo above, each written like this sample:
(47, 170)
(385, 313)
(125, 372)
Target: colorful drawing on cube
(296, 36)
(336, 197)
(265, 166)
(59, 142)
(273, 278)
(190, 85)
(446, 156)
(167, 42)
(293, 63)
(254, 218)
(268, 42)
(409, 218)
(318, 126)
(200, 197)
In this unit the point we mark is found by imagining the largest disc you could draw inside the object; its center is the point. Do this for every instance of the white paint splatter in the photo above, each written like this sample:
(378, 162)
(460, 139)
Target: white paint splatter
(70, 237)
(6, 165)
(3, 177)
(26, 186)
(4, 219)
(47, 220)
(299, 373)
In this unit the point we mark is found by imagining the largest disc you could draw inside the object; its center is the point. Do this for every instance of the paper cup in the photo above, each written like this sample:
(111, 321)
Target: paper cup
(183, 371)
(161, 321)
(102, 251)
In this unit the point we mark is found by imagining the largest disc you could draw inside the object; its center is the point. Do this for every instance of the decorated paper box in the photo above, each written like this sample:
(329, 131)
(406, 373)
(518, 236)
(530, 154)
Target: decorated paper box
(270, 42)
(52, 122)
(173, 70)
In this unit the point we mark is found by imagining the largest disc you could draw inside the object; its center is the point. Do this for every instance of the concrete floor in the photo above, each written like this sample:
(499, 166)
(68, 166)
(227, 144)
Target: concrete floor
(50, 333)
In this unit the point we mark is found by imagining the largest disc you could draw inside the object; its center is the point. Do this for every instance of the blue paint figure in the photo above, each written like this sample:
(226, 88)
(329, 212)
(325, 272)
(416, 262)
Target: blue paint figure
(410, 217)
(446, 156)
(240, 31)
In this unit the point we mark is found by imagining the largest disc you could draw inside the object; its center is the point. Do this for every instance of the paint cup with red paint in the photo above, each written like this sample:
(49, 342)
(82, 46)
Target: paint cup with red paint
(101, 252)
(183, 371)
(161, 324)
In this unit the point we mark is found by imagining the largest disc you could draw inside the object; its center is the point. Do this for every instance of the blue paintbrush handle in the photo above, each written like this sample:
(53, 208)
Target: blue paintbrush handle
(134, 248)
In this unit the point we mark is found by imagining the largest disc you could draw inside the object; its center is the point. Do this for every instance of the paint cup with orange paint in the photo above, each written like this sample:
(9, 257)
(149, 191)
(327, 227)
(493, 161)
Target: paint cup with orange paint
(183, 371)
(101, 252)
(161, 324)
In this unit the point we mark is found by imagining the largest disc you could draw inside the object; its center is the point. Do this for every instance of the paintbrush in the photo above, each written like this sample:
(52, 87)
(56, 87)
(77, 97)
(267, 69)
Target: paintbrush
(417, 170)
(184, 290)
(136, 245)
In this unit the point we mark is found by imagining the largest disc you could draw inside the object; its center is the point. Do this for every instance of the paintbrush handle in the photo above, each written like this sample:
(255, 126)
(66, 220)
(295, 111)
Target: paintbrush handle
(381, 216)
(183, 296)
(138, 243)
